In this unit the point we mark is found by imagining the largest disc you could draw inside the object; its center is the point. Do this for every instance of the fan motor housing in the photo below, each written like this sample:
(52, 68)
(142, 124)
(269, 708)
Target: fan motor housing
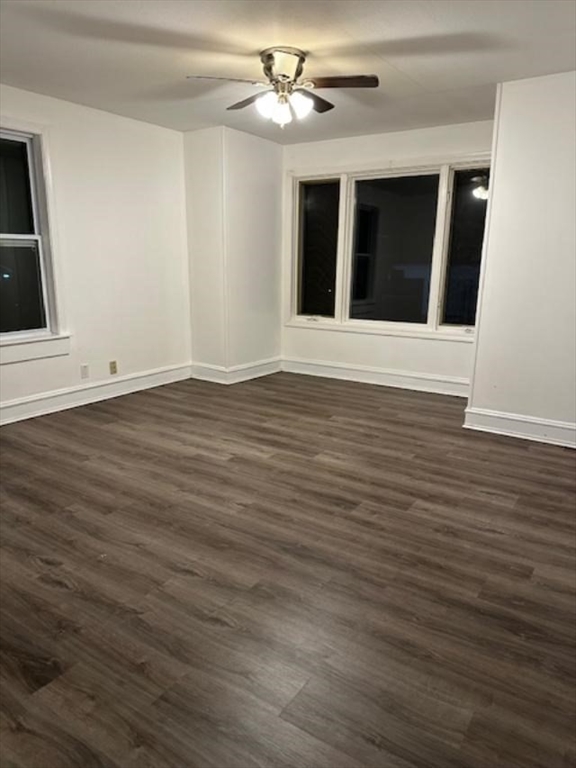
(283, 64)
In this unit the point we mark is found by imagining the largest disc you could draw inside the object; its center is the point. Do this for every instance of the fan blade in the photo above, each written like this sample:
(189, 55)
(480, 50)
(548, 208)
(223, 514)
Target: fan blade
(227, 79)
(244, 102)
(320, 104)
(345, 81)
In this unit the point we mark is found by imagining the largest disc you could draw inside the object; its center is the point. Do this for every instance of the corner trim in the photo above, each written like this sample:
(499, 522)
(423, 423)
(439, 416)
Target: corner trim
(422, 382)
(71, 397)
(525, 427)
(218, 374)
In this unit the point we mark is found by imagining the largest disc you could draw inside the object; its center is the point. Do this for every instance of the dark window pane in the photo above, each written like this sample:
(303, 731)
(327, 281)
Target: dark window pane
(21, 302)
(15, 196)
(465, 249)
(394, 236)
(362, 269)
(366, 228)
(366, 233)
(318, 244)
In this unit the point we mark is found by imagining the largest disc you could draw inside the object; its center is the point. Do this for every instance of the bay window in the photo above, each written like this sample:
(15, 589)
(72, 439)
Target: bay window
(396, 250)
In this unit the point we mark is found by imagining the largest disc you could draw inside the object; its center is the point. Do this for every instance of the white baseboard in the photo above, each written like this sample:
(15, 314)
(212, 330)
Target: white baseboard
(236, 373)
(71, 397)
(526, 427)
(423, 382)
(510, 424)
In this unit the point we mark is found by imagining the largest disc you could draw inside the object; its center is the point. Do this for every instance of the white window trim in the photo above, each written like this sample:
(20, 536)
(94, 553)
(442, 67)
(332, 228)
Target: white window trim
(341, 322)
(55, 339)
(19, 348)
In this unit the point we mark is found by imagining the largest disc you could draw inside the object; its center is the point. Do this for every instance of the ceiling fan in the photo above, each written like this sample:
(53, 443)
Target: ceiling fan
(290, 93)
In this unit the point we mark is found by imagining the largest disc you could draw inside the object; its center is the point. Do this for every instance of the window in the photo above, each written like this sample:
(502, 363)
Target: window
(465, 246)
(406, 253)
(319, 202)
(23, 238)
(399, 234)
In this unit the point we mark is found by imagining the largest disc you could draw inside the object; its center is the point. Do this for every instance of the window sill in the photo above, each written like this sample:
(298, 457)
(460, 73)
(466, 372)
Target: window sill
(19, 348)
(375, 328)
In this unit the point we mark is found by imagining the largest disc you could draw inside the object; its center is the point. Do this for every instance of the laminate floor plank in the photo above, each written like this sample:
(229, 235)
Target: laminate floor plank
(292, 572)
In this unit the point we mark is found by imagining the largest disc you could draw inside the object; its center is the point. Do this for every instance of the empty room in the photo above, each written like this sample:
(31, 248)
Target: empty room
(288, 384)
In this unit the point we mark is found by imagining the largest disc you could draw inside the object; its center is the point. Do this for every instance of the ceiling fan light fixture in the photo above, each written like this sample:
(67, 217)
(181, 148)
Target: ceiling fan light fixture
(266, 104)
(301, 104)
(291, 96)
(282, 114)
(481, 191)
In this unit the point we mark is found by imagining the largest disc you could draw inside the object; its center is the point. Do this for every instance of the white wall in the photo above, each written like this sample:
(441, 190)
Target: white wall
(234, 184)
(119, 234)
(525, 370)
(253, 206)
(204, 171)
(389, 150)
(439, 364)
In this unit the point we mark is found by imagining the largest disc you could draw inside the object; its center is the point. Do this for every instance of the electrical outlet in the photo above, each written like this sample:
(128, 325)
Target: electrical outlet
(84, 371)
(113, 367)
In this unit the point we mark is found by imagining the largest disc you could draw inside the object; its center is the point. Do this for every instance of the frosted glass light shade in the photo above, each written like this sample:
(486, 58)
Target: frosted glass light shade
(301, 104)
(282, 113)
(481, 193)
(266, 104)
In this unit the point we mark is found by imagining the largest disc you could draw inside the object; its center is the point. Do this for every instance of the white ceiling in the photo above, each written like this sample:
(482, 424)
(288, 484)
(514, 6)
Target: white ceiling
(438, 60)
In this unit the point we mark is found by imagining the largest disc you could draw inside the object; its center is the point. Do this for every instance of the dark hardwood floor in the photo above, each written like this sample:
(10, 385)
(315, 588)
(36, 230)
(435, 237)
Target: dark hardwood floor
(290, 572)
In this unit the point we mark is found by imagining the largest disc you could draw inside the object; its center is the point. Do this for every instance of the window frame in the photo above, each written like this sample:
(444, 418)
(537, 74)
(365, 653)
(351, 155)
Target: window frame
(38, 237)
(446, 242)
(53, 339)
(433, 328)
(300, 242)
(346, 298)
